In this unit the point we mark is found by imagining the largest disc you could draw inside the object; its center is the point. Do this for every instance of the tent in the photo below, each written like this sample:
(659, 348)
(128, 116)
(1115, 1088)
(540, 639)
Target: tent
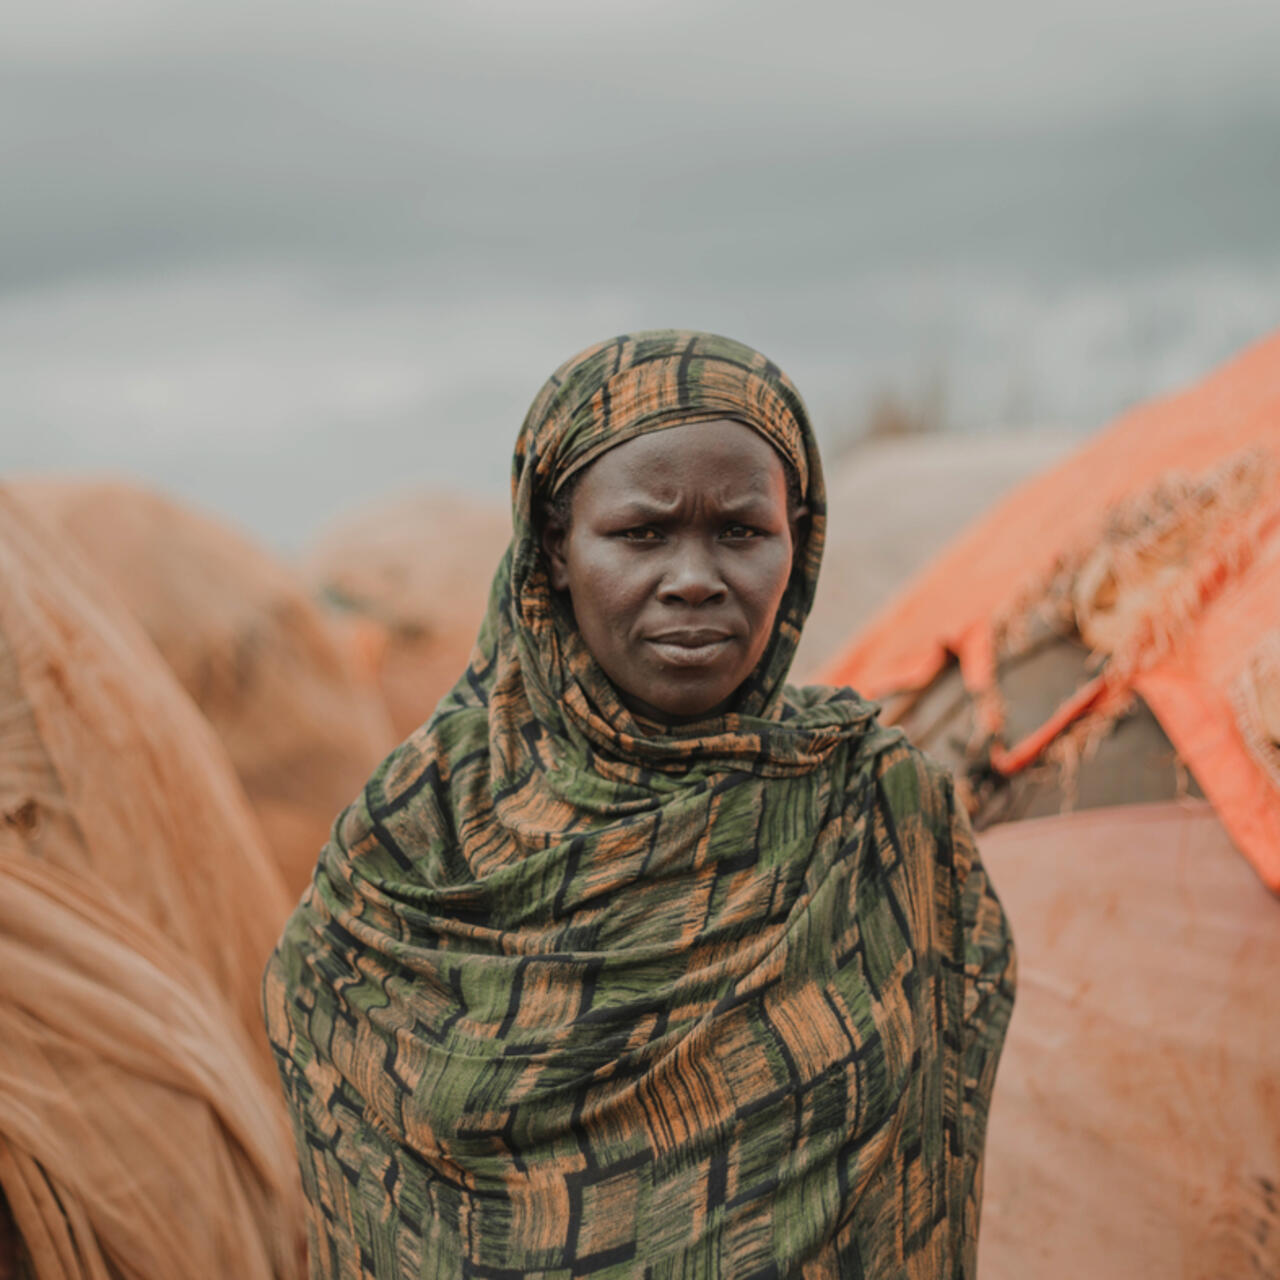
(302, 728)
(409, 577)
(892, 505)
(1109, 634)
(1154, 551)
(141, 1129)
(1135, 1128)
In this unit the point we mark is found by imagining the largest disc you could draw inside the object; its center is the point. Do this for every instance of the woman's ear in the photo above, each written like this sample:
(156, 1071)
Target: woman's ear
(554, 536)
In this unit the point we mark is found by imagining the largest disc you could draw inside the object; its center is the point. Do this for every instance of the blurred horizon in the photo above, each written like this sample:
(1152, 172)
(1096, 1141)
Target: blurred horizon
(280, 260)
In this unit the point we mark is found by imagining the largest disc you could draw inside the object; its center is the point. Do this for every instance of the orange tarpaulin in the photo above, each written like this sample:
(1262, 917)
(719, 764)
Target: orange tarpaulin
(1211, 684)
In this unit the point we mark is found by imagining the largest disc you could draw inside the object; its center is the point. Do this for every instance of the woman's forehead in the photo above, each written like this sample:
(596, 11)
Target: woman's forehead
(718, 454)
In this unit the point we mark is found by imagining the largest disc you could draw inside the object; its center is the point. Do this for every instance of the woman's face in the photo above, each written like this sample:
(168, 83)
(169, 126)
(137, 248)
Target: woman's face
(676, 558)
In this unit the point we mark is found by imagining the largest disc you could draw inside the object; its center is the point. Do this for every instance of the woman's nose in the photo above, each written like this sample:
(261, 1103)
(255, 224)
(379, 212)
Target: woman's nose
(692, 576)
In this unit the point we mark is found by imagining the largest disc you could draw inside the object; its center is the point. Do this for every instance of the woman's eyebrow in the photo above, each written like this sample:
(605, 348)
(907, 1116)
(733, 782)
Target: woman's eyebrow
(753, 500)
(737, 505)
(643, 508)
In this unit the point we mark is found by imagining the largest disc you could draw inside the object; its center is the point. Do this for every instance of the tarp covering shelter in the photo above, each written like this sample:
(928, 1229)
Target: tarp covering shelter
(1135, 1128)
(410, 579)
(892, 505)
(239, 631)
(1115, 622)
(1155, 547)
(141, 1134)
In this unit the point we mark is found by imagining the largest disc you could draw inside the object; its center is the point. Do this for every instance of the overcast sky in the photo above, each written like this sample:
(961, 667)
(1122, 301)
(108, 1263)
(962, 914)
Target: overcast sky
(284, 257)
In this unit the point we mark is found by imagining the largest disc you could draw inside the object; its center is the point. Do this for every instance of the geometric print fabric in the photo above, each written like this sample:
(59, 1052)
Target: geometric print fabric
(572, 995)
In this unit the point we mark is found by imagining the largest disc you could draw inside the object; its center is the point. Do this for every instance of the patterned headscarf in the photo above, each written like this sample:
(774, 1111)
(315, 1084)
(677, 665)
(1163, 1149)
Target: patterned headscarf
(609, 394)
(576, 994)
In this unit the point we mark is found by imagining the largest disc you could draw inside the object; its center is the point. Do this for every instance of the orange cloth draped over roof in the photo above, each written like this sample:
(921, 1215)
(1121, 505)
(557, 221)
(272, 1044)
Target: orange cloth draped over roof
(1197, 687)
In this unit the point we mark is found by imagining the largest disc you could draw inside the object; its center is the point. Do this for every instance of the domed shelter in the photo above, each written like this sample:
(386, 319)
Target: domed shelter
(1135, 1127)
(1106, 640)
(410, 578)
(140, 1130)
(1151, 559)
(238, 630)
(895, 503)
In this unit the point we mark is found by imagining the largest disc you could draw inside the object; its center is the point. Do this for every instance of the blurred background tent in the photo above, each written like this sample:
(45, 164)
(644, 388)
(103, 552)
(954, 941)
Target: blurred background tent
(406, 579)
(141, 1129)
(1146, 566)
(893, 503)
(1110, 634)
(303, 724)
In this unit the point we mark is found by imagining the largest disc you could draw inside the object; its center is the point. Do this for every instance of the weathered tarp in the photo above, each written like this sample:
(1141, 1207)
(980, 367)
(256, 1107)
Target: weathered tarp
(249, 646)
(1135, 1129)
(410, 578)
(1158, 545)
(140, 1133)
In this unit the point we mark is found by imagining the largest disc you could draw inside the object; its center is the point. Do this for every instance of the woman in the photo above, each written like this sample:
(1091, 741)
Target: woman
(633, 961)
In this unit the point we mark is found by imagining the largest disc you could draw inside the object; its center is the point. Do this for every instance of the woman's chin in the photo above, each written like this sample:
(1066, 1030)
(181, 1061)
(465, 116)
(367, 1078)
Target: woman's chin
(673, 702)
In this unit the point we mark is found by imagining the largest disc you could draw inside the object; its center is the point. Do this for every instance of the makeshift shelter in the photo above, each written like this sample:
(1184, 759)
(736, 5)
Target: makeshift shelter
(1154, 553)
(141, 1133)
(1108, 633)
(1135, 1129)
(301, 727)
(137, 1136)
(893, 504)
(409, 578)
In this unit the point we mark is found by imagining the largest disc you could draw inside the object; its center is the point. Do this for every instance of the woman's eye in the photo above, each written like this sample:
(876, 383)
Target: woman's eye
(639, 535)
(741, 531)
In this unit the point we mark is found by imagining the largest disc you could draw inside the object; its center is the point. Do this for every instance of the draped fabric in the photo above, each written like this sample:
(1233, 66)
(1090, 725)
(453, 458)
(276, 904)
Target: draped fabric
(575, 994)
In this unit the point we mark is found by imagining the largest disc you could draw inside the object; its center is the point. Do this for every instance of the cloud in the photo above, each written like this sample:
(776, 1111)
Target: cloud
(243, 239)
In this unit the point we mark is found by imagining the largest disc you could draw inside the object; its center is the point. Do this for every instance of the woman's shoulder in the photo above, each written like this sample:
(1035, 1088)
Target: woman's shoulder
(914, 798)
(913, 782)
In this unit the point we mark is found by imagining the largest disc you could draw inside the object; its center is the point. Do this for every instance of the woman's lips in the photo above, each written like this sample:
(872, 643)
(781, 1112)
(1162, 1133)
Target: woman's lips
(690, 648)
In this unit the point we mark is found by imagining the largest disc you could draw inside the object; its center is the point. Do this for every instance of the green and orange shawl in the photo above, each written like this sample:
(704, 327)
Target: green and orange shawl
(573, 994)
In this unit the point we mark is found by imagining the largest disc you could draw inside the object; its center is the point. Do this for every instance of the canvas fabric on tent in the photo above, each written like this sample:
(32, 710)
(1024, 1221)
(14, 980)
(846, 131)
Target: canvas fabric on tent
(892, 505)
(303, 730)
(1135, 1126)
(141, 1133)
(1155, 551)
(137, 1137)
(409, 579)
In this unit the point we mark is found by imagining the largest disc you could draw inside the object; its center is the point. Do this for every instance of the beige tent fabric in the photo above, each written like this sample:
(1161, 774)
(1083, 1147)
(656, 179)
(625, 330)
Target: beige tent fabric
(256, 655)
(141, 1133)
(111, 773)
(893, 505)
(410, 576)
(137, 1137)
(1135, 1129)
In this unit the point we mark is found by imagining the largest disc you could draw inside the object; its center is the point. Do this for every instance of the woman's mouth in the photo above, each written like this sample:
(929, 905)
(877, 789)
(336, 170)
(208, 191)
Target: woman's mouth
(693, 648)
